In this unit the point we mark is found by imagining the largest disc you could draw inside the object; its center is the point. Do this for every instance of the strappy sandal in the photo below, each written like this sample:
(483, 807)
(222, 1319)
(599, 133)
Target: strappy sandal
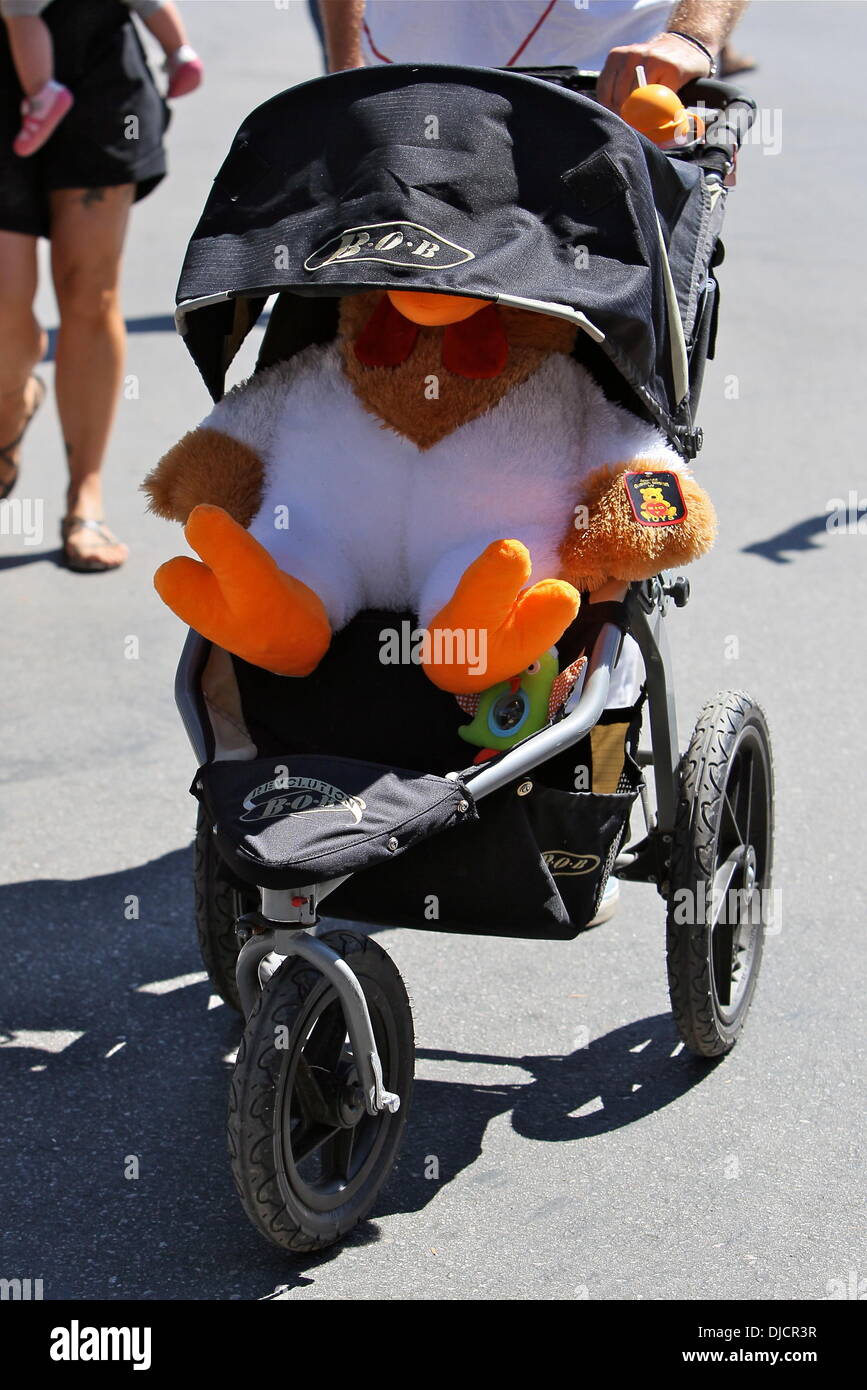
(7, 451)
(92, 562)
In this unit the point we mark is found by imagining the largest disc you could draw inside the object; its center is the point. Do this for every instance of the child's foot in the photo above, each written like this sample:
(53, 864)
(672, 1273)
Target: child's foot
(41, 115)
(185, 70)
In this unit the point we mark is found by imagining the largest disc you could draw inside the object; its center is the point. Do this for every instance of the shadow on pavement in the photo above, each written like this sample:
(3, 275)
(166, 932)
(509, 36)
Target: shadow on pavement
(618, 1079)
(30, 557)
(147, 323)
(104, 1078)
(797, 538)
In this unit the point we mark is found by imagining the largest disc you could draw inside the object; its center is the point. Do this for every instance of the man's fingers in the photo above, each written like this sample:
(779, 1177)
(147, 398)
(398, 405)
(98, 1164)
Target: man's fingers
(625, 80)
(666, 59)
(605, 84)
(618, 77)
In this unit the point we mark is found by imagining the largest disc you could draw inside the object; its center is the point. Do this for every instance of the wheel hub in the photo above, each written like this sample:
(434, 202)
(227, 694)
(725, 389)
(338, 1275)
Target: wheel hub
(750, 869)
(351, 1106)
(341, 1099)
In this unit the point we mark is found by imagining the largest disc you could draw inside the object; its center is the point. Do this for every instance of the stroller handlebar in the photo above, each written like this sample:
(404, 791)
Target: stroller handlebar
(730, 113)
(554, 738)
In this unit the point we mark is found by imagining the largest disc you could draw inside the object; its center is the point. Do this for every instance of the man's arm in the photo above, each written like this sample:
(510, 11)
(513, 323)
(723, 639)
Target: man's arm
(341, 20)
(668, 59)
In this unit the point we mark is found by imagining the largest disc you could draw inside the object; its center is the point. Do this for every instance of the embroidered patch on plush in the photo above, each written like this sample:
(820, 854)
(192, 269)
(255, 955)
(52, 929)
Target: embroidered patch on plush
(655, 498)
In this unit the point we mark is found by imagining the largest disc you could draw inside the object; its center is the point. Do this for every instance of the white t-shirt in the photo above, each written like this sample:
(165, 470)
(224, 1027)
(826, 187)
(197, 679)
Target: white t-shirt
(507, 33)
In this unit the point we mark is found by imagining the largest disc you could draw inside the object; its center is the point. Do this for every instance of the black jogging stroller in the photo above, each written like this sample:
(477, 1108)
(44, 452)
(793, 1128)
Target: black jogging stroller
(491, 184)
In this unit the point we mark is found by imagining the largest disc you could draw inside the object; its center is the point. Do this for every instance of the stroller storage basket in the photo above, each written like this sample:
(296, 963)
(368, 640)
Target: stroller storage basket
(534, 864)
(312, 819)
(531, 860)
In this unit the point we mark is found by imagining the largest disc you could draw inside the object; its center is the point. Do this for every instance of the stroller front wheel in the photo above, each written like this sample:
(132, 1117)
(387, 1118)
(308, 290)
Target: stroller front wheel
(721, 863)
(307, 1158)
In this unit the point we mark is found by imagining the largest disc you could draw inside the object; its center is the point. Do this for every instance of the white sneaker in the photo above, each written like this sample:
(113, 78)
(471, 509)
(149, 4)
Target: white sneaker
(608, 905)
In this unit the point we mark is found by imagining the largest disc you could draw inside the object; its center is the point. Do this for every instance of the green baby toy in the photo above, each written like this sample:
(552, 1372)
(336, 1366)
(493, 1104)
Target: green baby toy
(518, 707)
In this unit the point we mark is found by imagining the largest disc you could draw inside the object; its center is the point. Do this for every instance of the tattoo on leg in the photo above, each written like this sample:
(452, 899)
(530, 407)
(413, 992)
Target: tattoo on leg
(91, 196)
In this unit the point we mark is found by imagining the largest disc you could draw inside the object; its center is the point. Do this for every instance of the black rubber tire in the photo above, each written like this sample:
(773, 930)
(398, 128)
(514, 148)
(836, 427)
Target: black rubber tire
(220, 901)
(261, 1097)
(730, 729)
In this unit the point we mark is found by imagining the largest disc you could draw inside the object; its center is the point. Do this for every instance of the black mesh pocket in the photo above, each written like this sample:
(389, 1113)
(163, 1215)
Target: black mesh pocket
(535, 863)
(579, 836)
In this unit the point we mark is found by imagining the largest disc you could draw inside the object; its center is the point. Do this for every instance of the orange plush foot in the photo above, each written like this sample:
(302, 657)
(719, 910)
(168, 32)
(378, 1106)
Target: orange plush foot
(504, 624)
(240, 598)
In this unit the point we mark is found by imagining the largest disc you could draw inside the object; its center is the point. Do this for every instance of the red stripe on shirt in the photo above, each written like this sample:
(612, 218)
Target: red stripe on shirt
(535, 29)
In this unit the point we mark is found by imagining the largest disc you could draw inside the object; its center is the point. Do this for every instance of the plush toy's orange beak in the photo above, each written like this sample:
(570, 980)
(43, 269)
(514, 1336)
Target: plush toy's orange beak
(433, 310)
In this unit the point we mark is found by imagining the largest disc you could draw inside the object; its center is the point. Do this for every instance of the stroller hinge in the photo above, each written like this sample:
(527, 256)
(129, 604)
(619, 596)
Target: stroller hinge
(649, 861)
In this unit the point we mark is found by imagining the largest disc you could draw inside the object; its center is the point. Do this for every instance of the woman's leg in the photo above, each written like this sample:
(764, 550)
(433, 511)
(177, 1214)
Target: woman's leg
(22, 341)
(88, 227)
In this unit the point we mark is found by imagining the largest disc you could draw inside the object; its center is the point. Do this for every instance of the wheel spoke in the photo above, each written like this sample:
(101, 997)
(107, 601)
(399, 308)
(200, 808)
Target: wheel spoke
(308, 1092)
(722, 882)
(340, 1154)
(749, 815)
(735, 828)
(308, 1138)
(324, 1046)
(723, 961)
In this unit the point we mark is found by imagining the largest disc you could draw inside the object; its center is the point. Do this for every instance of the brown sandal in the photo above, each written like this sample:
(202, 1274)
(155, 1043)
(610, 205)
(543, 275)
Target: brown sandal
(7, 451)
(107, 540)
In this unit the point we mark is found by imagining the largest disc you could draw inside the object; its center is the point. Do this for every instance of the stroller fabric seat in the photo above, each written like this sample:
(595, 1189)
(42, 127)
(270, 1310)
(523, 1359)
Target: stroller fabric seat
(308, 818)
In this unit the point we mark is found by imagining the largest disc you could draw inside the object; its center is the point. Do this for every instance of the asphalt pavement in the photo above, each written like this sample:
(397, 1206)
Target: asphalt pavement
(580, 1152)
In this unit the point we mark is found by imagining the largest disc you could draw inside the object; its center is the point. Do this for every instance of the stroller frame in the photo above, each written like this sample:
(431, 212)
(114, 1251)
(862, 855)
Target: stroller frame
(288, 917)
(709, 832)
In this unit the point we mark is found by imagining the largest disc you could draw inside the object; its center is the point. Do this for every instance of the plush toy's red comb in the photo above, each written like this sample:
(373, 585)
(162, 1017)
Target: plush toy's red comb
(387, 339)
(476, 348)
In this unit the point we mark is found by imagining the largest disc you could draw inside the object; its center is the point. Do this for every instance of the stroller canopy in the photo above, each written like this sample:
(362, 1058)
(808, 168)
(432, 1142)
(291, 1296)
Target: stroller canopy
(460, 180)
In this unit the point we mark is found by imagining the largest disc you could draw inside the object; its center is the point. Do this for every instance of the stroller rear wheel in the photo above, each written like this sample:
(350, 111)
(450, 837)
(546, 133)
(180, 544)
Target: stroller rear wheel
(720, 873)
(220, 901)
(307, 1158)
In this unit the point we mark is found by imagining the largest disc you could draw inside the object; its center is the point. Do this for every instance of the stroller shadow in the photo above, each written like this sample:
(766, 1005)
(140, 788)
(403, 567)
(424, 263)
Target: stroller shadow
(617, 1080)
(797, 538)
(115, 1176)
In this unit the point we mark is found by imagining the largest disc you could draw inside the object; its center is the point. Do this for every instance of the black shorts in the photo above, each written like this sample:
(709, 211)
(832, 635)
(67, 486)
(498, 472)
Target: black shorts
(112, 135)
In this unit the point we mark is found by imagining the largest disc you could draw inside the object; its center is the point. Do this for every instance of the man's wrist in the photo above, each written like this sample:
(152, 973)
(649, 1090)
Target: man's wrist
(710, 22)
(699, 46)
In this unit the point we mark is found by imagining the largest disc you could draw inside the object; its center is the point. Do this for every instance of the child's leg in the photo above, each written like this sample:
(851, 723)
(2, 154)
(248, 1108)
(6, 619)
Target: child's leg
(46, 102)
(167, 28)
(183, 64)
(32, 51)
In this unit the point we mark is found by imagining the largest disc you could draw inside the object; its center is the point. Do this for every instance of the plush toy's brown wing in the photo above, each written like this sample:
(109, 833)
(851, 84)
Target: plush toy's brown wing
(627, 538)
(206, 466)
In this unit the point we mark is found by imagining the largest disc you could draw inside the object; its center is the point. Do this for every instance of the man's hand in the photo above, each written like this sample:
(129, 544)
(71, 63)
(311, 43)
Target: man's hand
(666, 59)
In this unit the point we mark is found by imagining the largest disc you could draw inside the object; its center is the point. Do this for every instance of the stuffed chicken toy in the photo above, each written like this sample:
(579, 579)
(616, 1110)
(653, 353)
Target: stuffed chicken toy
(442, 455)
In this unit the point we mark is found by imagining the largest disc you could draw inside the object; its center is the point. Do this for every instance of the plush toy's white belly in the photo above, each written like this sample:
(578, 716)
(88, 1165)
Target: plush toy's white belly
(367, 519)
